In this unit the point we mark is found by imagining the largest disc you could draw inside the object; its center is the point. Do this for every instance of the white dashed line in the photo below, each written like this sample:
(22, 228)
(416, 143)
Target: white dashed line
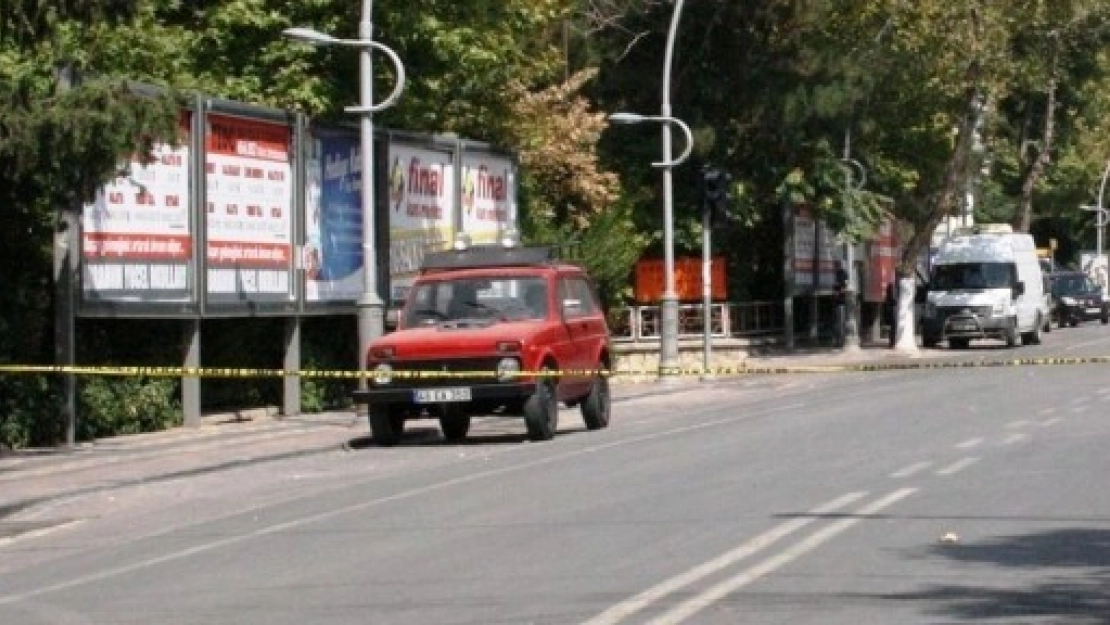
(1050, 422)
(911, 470)
(970, 443)
(957, 466)
(1014, 438)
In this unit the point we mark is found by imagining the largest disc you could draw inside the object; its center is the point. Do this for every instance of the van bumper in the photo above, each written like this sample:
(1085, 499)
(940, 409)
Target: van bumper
(968, 326)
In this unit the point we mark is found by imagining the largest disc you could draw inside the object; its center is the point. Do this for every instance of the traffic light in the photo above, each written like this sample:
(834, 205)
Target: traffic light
(716, 191)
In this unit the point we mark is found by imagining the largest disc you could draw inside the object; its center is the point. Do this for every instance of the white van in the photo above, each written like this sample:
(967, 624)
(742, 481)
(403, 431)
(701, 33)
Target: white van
(986, 282)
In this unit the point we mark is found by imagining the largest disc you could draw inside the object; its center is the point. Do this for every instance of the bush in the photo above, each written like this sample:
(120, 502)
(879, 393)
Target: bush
(111, 406)
(28, 411)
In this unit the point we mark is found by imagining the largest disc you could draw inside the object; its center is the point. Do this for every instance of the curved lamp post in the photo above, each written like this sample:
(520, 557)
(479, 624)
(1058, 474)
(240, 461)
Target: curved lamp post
(668, 352)
(371, 321)
(1102, 217)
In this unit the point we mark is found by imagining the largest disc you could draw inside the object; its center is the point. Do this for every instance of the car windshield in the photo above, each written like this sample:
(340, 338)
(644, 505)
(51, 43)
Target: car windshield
(501, 298)
(973, 276)
(1071, 285)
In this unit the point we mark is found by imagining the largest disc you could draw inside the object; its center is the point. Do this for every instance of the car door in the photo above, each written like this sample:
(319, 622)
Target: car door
(585, 322)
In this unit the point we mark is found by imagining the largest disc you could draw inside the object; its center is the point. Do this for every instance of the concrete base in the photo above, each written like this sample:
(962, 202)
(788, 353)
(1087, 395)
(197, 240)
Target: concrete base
(640, 361)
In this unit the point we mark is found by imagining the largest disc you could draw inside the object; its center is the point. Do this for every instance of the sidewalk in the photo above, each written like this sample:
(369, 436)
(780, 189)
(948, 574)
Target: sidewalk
(35, 476)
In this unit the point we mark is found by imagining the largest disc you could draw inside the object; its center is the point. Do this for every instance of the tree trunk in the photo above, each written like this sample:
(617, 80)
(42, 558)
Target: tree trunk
(1023, 217)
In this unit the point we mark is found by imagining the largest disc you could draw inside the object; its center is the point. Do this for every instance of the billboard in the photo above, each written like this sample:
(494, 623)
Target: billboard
(882, 261)
(137, 237)
(814, 252)
(488, 196)
(249, 211)
(421, 209)
(332, 252)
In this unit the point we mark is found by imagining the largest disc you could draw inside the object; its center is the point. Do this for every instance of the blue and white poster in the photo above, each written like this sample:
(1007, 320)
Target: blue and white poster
(332, 256)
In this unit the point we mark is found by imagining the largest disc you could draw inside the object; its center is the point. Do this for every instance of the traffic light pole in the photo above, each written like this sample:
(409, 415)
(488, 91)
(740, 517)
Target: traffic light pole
(706, 288)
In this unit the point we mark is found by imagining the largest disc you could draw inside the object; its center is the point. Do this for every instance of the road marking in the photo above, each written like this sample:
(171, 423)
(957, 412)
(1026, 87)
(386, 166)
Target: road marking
(957, 466)
(911, 470)
(1051, 410)
(295, 523)
(630, 606)
(1014, 438)
(970, 443)
(692, 606)
(1050, 422)
(1014, 425)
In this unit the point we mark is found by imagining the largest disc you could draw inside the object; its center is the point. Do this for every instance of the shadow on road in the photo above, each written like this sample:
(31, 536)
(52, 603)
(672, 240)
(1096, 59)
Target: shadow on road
(1071, 566)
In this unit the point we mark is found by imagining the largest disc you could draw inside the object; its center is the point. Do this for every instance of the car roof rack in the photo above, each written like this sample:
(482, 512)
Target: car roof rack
(482, 256)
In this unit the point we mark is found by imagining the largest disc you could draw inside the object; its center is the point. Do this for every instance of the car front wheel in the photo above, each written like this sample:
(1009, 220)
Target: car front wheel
(541, 411)
(387, 425)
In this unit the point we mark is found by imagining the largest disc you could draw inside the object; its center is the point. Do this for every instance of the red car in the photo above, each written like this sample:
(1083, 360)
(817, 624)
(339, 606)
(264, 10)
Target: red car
(491, 331)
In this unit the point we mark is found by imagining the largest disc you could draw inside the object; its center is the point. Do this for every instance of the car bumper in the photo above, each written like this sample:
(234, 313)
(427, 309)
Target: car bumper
(1084, 313)
(968, 326)
(504, 391)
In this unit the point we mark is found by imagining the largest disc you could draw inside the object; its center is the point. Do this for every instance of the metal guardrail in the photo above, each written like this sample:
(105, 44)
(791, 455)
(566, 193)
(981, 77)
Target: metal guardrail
(726, 320)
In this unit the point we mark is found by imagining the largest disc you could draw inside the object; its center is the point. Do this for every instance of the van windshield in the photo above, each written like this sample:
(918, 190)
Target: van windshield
(973, 276)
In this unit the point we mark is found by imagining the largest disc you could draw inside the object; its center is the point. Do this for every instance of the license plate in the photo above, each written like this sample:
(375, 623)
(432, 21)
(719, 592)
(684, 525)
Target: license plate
(438, 395)
(1093, 311)
(964, 327)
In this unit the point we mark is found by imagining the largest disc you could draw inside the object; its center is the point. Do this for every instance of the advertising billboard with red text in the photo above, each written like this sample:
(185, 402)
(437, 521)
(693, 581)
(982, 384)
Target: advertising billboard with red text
(421, 209)
(249, 206)
(137, 237)
(488, 196)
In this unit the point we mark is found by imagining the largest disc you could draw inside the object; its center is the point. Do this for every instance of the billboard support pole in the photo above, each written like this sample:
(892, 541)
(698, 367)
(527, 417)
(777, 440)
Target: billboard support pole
(65, 348)
(190, 385)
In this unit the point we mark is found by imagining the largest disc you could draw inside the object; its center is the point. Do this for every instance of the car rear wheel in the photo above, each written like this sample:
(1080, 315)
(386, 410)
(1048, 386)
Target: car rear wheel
(596, 406)
(454, 428)
(541, 411)
(387, 425)
(958, 343)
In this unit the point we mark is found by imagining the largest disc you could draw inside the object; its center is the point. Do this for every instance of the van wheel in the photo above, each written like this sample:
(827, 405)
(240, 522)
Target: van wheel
(1012, 337)
(541, 411)
(387, 425)
(596, 406)
(1033, 337)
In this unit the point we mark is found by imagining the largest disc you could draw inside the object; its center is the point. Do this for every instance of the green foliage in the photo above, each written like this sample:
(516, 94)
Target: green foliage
(128, 405)
(28, 405)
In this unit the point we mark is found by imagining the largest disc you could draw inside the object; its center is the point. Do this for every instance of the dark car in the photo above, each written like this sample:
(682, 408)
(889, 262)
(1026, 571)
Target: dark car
(491, 331)
(1075, 298)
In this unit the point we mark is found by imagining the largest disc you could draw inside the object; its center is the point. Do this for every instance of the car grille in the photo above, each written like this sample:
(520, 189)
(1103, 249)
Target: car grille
(945, 312)
(433, 373)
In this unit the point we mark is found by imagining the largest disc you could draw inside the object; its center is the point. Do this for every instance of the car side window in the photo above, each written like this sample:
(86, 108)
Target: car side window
(577, 297)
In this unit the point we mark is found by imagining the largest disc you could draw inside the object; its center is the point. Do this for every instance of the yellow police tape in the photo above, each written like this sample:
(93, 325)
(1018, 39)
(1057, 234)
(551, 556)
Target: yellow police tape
(734, 371)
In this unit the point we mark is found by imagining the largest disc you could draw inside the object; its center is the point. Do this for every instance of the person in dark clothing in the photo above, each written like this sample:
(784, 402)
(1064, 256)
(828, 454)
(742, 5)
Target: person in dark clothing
(890, 318)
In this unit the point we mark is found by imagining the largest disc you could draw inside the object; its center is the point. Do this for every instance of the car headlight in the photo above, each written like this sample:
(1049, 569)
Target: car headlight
(507, 369)
(383, 374)
(1068, 301)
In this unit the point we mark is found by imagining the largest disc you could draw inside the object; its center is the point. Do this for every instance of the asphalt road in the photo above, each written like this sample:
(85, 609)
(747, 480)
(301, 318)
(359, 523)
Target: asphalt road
(967, 495)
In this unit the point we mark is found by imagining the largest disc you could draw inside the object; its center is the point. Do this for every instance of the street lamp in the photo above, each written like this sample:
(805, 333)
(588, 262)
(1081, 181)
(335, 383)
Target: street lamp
(371, 322)
(1102, 217)
(668, 352)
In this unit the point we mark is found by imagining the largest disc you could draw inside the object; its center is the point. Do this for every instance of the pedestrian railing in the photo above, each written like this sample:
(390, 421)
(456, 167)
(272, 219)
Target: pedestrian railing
(726, 320)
